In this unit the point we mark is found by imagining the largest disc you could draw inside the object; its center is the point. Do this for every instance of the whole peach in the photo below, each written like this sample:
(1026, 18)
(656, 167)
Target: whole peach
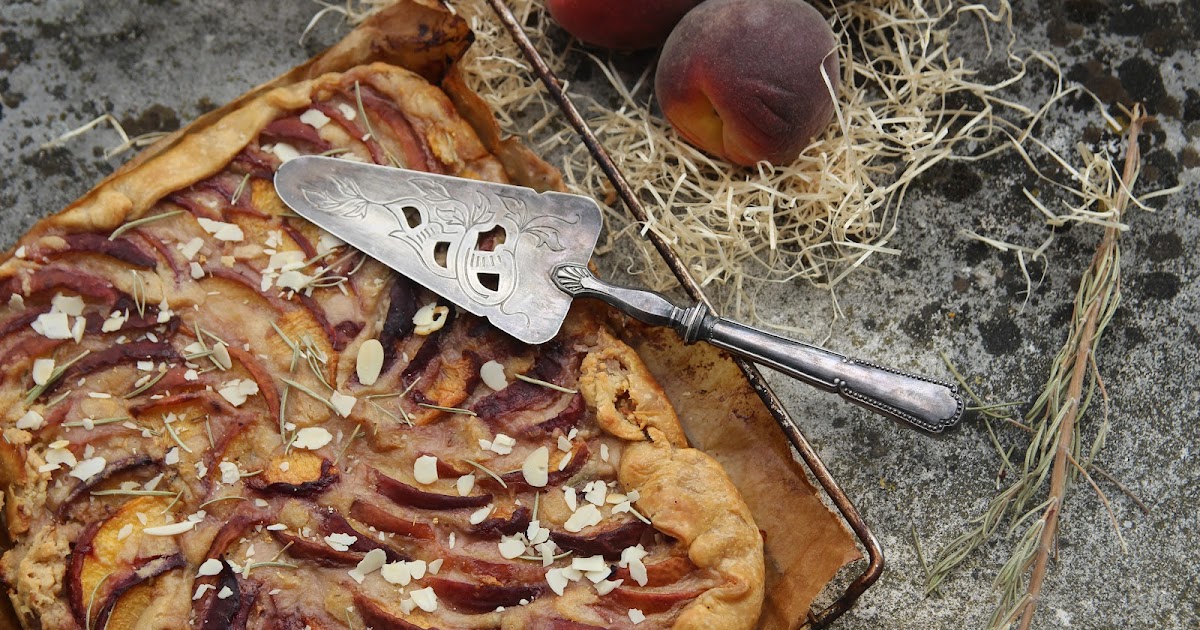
(741, 79)
(620, 24)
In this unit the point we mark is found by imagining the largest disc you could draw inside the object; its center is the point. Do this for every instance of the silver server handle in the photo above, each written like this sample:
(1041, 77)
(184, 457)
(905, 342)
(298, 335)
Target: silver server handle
(927, 403)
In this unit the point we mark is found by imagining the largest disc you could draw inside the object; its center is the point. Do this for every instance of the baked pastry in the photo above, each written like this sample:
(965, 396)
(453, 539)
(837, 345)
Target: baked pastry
(218, 416)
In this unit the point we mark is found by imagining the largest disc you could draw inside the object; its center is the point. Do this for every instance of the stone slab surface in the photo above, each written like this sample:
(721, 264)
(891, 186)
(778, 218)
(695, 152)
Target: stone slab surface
(156, 64)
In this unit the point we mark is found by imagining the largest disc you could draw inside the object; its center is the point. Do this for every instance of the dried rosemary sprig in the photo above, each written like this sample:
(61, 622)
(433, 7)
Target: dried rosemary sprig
(1055, 445)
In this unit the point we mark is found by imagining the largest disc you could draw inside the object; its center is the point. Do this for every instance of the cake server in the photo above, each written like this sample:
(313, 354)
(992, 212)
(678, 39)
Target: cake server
(519, 257)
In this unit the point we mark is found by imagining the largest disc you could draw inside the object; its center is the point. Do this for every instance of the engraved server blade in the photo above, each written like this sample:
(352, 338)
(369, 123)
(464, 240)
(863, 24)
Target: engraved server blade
(489, 248)
(518, 258)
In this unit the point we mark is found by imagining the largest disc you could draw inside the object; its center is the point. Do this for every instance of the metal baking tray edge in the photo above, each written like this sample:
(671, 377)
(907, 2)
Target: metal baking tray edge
(874, 553)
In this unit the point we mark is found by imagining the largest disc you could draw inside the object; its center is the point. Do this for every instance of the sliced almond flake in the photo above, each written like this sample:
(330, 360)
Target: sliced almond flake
(451, 540)
(172, 456)
(52, 326)
(31, 421)
(369, 361)
(99, 395)
(152, 485)
(191, 375)
(536, 533)
(636, 616)
(564, 460)
(340, 542)
(604, 452)
(229, 473)
(371, 562)
(511, 546)
(564, 444)
(80, 327)
(502, 444)
(557, 581)
(221, 231)
(286, 261)
(604, 587)
(191, 248)
(88, 468)
(417, 568)
(71, 305)
(16, 302)
(277, 527)
(435, 566)
(212, 566)
(430, 318)
(195, 270)
(201, 590)
(312, 438)
(595, 492)
(164, 312)
(314, 118)
(586, 516)
(347, 111)
(293, 280)
(465, 484)
(396, 573)
(425, 599)
(492, 374)
(425, 469)
(598, 575)
(546, 551)
(224, 593)
(125, 532)
(42, 369)
(220, 354)
(284, 151)
(170, 529)
(591, 563)
(328, 242)
(342, 403)
(480, 515)
(536, 468)
(569, 496)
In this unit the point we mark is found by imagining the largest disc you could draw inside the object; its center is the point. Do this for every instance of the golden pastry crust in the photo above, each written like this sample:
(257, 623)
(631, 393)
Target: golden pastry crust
(684, 492)
(178, 437)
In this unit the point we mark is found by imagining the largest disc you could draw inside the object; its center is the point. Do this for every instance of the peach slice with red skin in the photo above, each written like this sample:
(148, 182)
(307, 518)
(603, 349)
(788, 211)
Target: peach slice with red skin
(383, 520)
(404, 494)
(482, 597)
(307, 474)
(104, 566)
(742, 79)
(374, 616)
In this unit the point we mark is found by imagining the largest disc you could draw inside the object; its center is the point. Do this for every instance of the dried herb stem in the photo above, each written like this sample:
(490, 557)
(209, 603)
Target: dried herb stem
(1099, 295)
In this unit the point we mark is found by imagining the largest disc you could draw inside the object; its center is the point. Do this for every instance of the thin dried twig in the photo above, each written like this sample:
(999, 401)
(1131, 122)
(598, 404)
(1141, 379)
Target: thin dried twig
(1103, 270)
